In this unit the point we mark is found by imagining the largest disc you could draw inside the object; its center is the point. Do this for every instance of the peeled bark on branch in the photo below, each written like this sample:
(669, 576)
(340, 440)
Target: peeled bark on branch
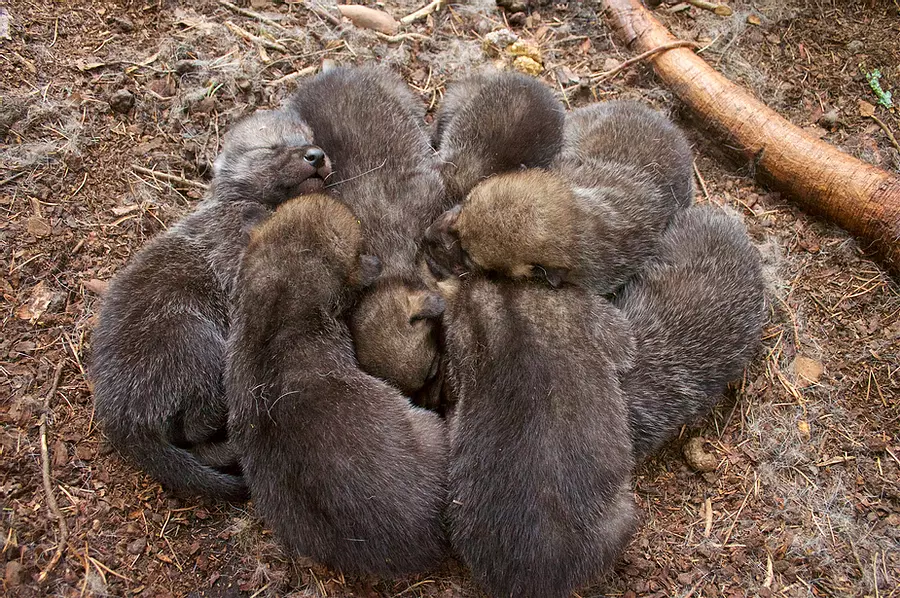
(861, 198)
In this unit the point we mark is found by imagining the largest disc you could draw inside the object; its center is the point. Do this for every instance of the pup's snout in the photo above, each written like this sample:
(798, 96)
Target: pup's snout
(314, 156)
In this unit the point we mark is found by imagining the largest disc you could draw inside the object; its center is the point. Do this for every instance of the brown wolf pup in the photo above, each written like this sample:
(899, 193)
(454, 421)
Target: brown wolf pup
(158, 350)
(697, 312)
(339, 464)
(592, 219)
(371, 126)
(541, 456)
(495, 122)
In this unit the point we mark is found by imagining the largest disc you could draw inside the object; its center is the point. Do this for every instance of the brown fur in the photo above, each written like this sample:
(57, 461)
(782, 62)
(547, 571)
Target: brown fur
(372, 128)
(590, 220)
(495, 122)
(159, 349)
(540, 450)
(339, 464)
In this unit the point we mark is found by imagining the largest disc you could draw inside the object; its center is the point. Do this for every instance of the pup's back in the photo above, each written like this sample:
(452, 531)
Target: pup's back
(632, 134)
(371, 126)
(338, 463)
(540, 452)
(495, 122)
(697, 312)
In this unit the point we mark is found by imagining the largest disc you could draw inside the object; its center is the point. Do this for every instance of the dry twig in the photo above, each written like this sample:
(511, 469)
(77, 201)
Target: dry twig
(887, 131)
(423, 12)
(48, 484)
(682, 43)
(251, 14)
(719, 9)
(309, 70)
(172, 178)
(255, 38)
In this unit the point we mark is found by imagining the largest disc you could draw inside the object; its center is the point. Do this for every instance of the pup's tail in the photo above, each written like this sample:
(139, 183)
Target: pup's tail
(178, 469)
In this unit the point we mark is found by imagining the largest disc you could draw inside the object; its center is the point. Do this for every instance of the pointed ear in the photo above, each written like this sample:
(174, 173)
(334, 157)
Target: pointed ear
(253, 215)
(426, 306)
(555, 276)
(369, 269)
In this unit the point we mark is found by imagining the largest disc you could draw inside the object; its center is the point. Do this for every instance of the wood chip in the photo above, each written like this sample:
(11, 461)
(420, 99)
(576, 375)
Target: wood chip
(369, 18)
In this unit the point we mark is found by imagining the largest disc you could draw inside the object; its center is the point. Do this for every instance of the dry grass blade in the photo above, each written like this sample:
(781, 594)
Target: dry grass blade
(48, 483)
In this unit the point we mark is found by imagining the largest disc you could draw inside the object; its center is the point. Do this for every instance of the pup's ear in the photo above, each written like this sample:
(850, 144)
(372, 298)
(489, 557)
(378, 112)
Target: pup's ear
(369, 269)
(252, 215)
(555, 276)
(425, 305)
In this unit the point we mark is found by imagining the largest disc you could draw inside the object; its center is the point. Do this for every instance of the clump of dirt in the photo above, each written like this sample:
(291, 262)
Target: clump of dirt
(804, 496)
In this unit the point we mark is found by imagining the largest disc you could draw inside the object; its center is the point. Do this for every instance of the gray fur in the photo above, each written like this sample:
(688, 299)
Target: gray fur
(495, 122)
(540, 451)
(371, 126)
(697, 311)
(158, 350)
(339, 464)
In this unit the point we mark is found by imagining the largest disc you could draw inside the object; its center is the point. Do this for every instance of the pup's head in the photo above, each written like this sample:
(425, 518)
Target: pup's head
(312, 244)
(395, 328)
(520, 224)
(270, 157)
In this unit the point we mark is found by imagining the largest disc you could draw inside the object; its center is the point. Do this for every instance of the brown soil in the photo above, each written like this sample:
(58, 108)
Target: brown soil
(805, 497)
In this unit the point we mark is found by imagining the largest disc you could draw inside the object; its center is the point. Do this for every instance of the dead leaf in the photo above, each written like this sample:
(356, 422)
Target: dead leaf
(98, 287)
(38, 226)
(369, 18)
(753, 20)
(807, 371)
(866, 109)
(803, 427)
(40, 300)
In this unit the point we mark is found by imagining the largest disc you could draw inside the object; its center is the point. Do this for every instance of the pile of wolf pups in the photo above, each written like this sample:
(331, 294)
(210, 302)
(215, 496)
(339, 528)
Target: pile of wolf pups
(540, 279)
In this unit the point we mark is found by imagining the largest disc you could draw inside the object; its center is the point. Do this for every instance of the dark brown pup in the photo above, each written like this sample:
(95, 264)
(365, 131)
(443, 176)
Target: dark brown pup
(369, 123)
(339, 464)
(697, 312)
(540, 451)
(495, 122)
(158, 351)
(592, 219)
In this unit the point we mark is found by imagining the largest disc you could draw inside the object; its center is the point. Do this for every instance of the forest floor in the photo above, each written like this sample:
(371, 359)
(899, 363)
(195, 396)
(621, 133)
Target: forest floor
(805, 499)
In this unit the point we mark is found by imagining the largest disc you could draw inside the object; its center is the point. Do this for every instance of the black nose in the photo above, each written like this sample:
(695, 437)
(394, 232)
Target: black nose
(315, 156)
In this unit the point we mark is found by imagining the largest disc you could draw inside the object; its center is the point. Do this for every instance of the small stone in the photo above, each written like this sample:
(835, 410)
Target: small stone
(807, 371)
(856, 46)
(830, 119)
(696, 456)
(122, 101)
(517, 19)
(500, 38)
(183, 67)
(137, 546)
(122, 24)
(84, 452)
(13, 574)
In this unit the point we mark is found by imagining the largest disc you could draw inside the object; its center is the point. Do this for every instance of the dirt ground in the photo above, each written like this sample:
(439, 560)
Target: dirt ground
(805, 497)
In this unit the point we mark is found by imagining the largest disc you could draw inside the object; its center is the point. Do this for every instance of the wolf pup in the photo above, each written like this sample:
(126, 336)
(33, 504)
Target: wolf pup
(697, 311)
(541, 456)
(495, 122)
(592, 219)
(158, 350)
(339, 464)
(371, 126)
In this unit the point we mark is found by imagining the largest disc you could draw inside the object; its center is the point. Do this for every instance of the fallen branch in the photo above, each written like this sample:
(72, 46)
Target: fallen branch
(48, 484)
(251, 14)
(172, 178)
(255, 38)
(859, 197)
(309, 70)
(423, 12)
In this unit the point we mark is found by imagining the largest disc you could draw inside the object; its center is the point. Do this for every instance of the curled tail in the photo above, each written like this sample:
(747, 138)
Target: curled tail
(179, 470)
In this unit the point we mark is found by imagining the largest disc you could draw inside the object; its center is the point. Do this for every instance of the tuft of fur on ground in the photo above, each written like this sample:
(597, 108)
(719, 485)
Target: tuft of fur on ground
(805, 499)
